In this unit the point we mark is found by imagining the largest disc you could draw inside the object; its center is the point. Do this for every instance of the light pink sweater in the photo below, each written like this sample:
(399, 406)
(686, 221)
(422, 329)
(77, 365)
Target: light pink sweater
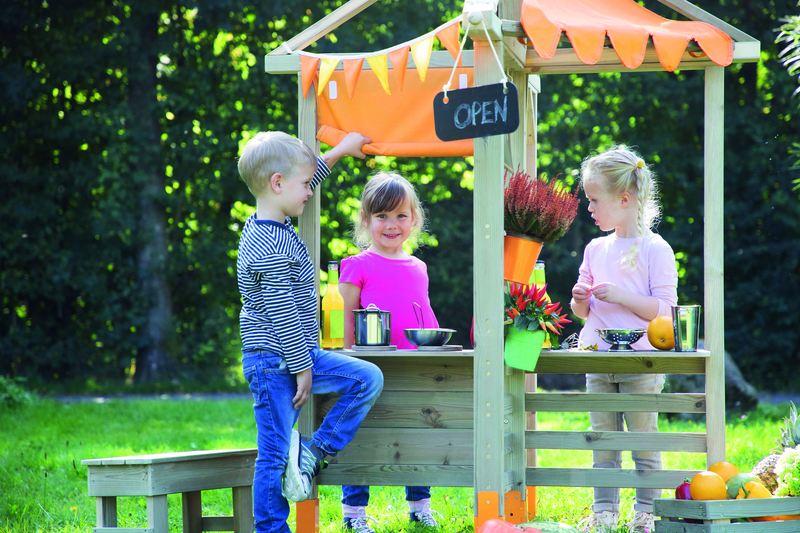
(654, 274)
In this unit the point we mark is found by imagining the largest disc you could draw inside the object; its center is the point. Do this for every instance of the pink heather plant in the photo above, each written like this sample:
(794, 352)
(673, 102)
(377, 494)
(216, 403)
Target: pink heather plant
(539, 209)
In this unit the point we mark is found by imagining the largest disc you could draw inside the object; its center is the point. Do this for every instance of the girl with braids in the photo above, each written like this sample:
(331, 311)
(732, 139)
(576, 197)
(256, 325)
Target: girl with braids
(627, 278)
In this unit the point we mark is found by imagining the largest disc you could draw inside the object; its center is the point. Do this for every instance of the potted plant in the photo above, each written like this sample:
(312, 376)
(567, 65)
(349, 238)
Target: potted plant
(533, 319)
(536, 211)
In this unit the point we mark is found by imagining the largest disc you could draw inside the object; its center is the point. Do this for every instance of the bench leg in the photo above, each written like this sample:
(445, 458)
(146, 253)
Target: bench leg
(243, 509)
(106, 511)
(192, 512)
(308, 516)
(157, 515)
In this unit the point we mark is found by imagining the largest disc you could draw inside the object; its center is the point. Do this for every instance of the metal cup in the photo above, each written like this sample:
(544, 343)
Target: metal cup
(686, 326)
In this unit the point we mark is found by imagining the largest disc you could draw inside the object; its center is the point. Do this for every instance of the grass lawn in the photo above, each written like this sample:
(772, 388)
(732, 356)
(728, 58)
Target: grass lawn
(43, 484)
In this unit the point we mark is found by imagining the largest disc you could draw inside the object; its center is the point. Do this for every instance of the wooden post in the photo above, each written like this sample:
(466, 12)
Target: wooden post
(488, 297)
(157, 514)
(106, 511)
(192, 505)
(242, 509)
(713, 260)
(310, 233)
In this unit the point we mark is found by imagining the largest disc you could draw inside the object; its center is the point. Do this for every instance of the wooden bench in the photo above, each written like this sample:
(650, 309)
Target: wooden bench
(188, 473)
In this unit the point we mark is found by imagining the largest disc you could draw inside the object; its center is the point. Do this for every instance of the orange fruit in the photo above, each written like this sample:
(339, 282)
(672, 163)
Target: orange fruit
(724, 469)
(660, 334)
(707, 485)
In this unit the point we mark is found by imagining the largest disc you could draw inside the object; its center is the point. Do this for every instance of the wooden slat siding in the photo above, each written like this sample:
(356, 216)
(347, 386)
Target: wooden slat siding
(170, 478)
(713, 260)
(488, 287)
(709, 510)
(290, 64)
(387, 446)
(323, 26)
(173, 457)
(218, 523)
(616, 440)
(401, 475)
(431, 373)
(571, 364)
(663, 526)
(607, 477)
(615, 402)
(414, 356)
(414, 409)
(158, 514)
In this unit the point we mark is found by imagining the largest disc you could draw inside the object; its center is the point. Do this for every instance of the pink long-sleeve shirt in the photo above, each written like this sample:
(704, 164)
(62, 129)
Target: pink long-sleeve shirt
(607, 259)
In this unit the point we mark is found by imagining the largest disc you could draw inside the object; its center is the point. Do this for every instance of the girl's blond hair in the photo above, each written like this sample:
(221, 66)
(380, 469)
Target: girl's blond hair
(618, 170)
(385, 191)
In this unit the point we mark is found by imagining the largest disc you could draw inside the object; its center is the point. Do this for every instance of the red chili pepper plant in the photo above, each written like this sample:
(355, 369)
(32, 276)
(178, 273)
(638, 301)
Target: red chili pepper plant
(538, 208)
(529, 309)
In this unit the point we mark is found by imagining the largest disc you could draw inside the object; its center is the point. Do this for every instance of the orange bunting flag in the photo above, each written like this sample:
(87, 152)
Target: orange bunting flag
(449, 38)
(352, 70)
(380, 66)
(325, 70)
(308, 71)
(399, 59)
(421, 52)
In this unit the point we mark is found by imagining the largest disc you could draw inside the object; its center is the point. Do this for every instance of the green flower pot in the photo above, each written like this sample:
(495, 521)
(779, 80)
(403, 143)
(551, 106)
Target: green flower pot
(522, 348)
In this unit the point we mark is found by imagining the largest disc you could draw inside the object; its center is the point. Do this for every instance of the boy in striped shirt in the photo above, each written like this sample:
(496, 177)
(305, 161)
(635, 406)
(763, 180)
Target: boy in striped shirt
(281, 358)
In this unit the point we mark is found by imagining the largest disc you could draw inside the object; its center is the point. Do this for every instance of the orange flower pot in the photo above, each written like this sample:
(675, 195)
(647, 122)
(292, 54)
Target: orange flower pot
(519, 257)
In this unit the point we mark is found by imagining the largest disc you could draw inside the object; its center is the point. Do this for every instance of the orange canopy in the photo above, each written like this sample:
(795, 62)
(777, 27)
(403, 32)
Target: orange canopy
(628, 26)
(400, 124)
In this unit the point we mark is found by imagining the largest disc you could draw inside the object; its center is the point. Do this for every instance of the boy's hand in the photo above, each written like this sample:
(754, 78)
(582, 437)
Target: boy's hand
(303, 388)
(581, 292)
(350, 145)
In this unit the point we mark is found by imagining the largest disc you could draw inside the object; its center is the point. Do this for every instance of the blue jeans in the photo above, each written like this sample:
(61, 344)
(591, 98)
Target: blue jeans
(358, 495)
(357, 383)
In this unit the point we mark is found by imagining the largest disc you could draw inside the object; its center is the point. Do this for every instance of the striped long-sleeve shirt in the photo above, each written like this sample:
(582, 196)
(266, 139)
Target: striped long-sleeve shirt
(279, 297)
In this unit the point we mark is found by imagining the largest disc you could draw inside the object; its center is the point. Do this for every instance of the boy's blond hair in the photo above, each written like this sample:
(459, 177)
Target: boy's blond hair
(270, 152)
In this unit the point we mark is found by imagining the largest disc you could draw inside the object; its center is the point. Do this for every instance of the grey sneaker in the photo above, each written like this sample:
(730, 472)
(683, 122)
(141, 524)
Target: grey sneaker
(604, 521)
(425, 518)
(304, 462)
(359, 525)
(642, 523)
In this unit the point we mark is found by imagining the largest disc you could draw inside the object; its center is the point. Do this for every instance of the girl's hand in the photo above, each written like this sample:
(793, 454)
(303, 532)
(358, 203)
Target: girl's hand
(581, 292)
(609, 293)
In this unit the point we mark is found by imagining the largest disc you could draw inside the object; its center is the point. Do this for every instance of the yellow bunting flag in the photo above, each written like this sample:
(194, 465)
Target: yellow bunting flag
(352, 70)
(308, 71)
(325, 71)
(449, 38)
(399, 59)
(421, 52)
(380, 67)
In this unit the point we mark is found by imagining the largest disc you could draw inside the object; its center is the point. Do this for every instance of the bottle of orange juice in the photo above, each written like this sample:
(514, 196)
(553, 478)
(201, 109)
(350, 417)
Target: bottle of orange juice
(332, 311)
(539, 279)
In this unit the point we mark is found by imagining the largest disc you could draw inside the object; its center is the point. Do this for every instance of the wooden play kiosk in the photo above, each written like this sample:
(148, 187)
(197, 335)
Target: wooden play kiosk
(464, 419)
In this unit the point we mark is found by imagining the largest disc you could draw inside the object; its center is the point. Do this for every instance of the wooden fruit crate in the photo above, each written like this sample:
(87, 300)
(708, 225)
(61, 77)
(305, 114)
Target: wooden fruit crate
(726, 515)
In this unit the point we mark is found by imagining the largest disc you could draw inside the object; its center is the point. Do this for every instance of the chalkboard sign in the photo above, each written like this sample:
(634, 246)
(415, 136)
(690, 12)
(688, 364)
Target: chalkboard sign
(476, 112)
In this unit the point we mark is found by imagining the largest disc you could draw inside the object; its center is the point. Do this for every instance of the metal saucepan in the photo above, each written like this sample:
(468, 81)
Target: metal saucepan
(372, 326)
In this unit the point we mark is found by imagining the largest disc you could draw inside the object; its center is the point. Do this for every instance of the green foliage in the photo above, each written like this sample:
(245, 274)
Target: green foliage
(75, 163)
(13, 392)
(788, 471)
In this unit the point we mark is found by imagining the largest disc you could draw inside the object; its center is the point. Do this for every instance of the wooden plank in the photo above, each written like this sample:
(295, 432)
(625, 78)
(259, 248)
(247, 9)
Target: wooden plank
(713, 259)
(173, 457)
(607, 477)
(570, 364)
(714, 509)
(664, 526)
(192, 510)
(488, 289)
(158, 514)
(218, 523)
(290, 64)
(615, 402)
(431, 374)
(408, 354)
(323, 26)
(106, 508)
(394, 446)
(616, 440)
(414, 409)
(242, 509)
(403, 475)
(650, 354)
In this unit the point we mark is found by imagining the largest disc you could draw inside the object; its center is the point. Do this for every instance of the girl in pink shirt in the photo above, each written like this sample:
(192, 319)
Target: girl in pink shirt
(385, 275)
(627, 278)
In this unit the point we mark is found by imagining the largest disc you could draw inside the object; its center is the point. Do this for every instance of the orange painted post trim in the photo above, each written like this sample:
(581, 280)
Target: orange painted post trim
(308, 516)
(488, 508)
(530, 498)
(514, 507)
